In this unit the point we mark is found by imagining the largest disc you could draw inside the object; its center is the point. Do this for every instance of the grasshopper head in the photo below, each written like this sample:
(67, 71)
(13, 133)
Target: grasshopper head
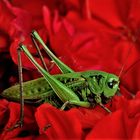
(111, 85)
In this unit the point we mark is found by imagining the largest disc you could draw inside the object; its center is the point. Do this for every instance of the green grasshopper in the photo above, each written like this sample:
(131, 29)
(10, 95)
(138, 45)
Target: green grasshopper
(69, 89)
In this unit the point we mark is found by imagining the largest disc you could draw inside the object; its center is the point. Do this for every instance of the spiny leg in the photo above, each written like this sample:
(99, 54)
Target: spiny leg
(64, 105)
(82, 104)
(21, 88)
(21, 118)
(105, 108)
(99, 102)
(76, 103)
(39, 52)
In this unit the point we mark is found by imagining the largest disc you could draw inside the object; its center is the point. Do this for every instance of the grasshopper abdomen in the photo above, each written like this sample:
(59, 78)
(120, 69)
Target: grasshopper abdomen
(40, 90)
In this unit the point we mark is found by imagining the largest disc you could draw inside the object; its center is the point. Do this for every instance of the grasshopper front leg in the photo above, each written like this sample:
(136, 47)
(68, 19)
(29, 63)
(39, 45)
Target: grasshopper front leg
(77, 103)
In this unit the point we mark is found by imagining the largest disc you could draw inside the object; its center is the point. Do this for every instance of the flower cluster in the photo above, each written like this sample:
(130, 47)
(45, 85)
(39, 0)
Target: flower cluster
(85, 35)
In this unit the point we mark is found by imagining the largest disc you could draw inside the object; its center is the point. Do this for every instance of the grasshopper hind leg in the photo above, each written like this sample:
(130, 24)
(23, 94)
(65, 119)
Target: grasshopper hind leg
(39, 53)
(19, 123)
(63, 67)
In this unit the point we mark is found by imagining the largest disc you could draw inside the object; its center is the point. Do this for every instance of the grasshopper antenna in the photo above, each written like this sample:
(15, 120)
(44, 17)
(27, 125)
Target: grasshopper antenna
(124, 64)
(39, 52)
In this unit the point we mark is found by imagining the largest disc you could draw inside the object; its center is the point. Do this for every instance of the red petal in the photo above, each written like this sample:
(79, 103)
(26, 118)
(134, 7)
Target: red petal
(123, 123)
(25, 61)
(89, 117)
(29, 122)
(131, 78)
(34, 7)
(109, 127)
(6, 15)
(64, 124)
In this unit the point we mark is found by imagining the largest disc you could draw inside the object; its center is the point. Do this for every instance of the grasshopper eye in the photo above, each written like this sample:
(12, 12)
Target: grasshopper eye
(112, 84)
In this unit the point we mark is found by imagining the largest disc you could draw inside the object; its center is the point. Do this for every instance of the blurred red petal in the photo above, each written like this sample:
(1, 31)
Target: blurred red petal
(136, 133)
(34, 7)
(4, 41)
(134, 17)
(130, 78)
(112, 13)
(6, 15)
(32, 137)
(23, 138)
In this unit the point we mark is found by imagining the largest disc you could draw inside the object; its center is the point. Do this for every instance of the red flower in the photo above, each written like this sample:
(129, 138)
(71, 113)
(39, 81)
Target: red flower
(85, 35)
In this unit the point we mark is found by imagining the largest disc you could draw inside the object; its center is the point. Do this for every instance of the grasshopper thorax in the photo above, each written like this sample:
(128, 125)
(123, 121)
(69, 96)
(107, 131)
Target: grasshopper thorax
(111, 85)
(102, 85)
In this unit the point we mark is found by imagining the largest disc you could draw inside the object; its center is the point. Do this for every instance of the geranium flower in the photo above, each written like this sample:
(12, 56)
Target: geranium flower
(85, 35)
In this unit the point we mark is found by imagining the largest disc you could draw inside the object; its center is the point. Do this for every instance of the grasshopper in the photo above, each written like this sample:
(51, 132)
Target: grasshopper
(69, 89)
